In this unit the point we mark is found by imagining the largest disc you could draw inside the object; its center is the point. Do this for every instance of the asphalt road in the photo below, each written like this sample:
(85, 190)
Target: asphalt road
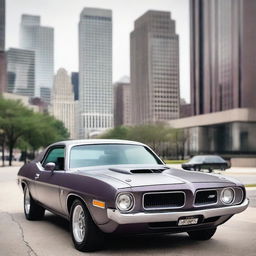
(50, 237)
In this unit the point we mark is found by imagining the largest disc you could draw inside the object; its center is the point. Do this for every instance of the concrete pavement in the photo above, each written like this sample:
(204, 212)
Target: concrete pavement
(51, 237)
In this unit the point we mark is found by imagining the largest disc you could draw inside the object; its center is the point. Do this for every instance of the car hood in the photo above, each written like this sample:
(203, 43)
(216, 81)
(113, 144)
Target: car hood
(133, 176)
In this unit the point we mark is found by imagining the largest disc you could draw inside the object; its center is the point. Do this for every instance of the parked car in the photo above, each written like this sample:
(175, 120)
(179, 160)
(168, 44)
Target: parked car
(206, 162)
(7, 158)
(122, 187)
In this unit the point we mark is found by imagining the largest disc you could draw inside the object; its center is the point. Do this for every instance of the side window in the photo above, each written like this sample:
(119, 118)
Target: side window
(55, 155)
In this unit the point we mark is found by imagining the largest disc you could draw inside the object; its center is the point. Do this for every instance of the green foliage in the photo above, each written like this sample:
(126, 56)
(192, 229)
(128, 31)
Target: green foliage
(120, 132)
(163, 139)
(175, 161)
(26, 129)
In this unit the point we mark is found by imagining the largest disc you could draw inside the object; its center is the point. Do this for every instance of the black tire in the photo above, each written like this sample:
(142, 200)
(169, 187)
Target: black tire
(204, 234)
(33, 211)
(92, 238)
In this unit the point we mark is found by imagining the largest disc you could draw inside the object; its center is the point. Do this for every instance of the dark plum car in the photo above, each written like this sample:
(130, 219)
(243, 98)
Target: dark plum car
(123, 187)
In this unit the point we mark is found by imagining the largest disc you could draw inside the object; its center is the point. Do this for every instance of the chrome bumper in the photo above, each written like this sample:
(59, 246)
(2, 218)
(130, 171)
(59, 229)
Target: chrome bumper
(143, 217)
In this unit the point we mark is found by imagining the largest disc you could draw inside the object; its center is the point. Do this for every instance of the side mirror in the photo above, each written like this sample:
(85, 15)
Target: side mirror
(50, 166)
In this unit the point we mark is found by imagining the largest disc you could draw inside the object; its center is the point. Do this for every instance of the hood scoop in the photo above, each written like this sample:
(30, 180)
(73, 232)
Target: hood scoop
(147, 170)
(138, 171)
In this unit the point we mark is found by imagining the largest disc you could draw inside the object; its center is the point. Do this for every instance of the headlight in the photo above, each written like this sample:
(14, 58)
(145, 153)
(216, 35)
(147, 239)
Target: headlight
(124, 201)
(227, 196)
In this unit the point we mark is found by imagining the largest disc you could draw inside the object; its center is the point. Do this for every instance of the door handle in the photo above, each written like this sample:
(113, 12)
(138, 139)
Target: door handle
(37, 176)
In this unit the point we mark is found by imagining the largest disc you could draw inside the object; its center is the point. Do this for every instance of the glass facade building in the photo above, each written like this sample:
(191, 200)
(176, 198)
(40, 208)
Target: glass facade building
(236, 138)
(95, 71)
(228, 133)
(223, 55)
(40, 39)
(2, 48)
(21, 72)
(75, 83)
(2, 25)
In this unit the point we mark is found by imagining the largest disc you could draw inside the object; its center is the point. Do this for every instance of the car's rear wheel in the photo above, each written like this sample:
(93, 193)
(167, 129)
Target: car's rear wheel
(32, 210)
(204, 234)
(85, 234)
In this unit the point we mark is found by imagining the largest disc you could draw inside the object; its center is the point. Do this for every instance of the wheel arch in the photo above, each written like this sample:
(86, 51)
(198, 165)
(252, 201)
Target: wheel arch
(71, 198)
(23, 184)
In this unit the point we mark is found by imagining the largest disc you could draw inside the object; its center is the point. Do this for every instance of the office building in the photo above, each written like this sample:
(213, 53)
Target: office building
(40, 39)
(122, 102)
(223, 55)
(2, 25)
(45, 94)
(21, 72)
(63, 103)
(75, 83)
(185, 108)
(154, 50)
(95, 71)
(2, 48)
(223, 99)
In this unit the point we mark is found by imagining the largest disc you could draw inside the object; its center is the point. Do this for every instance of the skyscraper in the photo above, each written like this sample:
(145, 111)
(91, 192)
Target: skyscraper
(21, 72)
(122, 102)
(95, 71)
(63, 103)
(75, 83)
(40, 39)
(2, 48)
(223, 55)
(2, 25)
(154, 68)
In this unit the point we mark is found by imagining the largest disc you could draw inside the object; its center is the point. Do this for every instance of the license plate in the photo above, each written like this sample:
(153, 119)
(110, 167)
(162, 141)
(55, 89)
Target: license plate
(187, 221)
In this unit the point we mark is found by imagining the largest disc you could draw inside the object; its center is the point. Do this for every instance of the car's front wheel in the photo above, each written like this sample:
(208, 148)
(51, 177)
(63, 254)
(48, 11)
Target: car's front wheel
(204, 234)
(32, 210)
(85, 234)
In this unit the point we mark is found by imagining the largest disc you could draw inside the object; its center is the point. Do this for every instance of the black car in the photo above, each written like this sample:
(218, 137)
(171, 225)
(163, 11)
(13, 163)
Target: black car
(206, 162)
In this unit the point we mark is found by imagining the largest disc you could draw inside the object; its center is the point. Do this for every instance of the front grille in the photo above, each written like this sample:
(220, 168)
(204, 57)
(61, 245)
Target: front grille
(164, 200)
(206, 197)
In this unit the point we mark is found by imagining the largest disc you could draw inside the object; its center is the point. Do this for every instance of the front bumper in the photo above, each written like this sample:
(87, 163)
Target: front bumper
(143, 217)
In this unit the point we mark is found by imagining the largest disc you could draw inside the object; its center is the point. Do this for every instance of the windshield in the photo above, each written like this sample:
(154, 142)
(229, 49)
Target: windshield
(110, 154)
(206, 159)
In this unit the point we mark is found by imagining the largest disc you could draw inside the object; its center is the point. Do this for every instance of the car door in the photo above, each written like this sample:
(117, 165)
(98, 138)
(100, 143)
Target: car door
(48, 182)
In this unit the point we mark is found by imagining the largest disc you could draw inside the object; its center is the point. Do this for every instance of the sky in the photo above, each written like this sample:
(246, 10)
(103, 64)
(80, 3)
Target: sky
(63, 16)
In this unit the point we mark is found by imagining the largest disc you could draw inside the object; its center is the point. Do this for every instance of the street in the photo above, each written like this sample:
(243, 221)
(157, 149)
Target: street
(50, 237)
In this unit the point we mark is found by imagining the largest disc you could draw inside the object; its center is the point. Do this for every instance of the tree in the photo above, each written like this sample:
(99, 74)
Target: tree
(33, 130)
(163, 139)
(45, 130)
(14, 121)
(120, 132)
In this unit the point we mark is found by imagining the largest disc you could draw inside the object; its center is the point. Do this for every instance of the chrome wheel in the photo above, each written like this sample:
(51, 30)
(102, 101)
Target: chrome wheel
(27, 201)
(78, 224)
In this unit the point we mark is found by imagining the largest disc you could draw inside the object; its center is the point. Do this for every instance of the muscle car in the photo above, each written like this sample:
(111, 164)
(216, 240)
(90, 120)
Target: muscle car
(206, 162)
(123, 187)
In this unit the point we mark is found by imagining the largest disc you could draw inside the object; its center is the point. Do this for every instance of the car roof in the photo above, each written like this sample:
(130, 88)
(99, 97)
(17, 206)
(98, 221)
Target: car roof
(95, 141)
(207, 156)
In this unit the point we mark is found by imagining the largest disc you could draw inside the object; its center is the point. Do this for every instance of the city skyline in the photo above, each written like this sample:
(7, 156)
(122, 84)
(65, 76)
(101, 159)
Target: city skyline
(123, 17)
